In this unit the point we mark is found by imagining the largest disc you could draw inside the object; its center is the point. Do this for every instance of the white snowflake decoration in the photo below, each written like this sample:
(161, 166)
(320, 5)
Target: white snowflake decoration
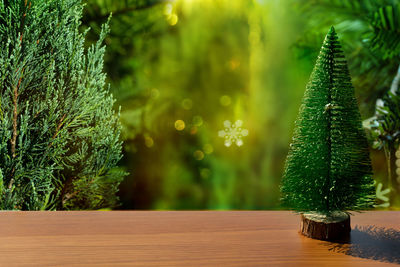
(233, 133)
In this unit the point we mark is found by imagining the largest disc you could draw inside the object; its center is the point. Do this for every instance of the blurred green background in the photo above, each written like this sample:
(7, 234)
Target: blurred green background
(187, 73)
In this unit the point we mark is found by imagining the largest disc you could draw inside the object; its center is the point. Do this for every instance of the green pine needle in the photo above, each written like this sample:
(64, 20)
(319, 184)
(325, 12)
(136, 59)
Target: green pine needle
(59, 134)
(328, 166)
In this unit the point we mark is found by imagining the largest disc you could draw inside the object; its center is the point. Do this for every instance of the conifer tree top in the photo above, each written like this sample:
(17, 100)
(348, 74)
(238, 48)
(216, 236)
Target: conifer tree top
(328, 166)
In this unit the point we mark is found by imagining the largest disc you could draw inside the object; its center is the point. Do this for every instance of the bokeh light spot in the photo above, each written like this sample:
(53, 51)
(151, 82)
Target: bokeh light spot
(193, 130)
(148, 141)
(168, 9)
(198, 154)
(398, 162)
(179, 125)
(173, 19)
(197, 121)
(208, 149)
(187, 103)
(225, 100)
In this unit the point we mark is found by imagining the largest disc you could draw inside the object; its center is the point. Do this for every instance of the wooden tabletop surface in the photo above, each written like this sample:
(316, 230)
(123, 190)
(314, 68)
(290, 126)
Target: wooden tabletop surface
(190, 238)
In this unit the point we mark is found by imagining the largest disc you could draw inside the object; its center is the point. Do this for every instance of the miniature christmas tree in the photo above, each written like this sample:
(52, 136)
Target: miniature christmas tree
(59, 136)
(328, 169)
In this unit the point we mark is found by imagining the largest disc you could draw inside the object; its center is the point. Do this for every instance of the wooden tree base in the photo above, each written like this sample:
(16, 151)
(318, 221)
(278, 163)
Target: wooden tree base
(332, 227)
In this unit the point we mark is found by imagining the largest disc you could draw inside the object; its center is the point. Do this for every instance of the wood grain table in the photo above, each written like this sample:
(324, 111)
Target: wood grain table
(190, 238)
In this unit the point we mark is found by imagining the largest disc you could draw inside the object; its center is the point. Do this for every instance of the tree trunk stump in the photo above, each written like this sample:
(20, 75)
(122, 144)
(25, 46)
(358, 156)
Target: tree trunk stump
(331, 227)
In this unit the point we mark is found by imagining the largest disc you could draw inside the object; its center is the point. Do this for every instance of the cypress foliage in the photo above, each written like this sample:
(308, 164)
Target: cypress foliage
(59, 136)
(328, 166)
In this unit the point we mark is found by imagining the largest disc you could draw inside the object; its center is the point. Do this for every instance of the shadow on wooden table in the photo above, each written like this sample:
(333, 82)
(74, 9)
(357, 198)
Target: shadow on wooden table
(371, 242)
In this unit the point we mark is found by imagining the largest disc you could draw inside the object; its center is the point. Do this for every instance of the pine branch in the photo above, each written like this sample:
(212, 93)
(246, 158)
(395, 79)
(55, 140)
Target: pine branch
(74, 78)
(60, 123)
(69, 196)
(15, 117)
(15, 125)
(15, 99)
(380, 103)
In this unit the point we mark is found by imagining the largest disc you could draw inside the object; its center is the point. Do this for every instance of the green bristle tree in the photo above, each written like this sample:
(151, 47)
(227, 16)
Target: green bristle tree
(328, 167)
(59, 136)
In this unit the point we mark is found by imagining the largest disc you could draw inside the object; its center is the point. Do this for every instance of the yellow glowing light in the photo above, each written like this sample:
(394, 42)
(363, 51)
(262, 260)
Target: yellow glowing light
(148, 141)
(173, 19)
(198, 154)
(187, 103)
(179, 125)
(398, 153)
(225, 100)
(168, 9)
(208, 149)
(398, 171)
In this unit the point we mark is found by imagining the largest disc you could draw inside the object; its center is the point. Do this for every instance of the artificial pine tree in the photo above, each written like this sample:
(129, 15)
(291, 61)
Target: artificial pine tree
(328, 169)
(59, 136)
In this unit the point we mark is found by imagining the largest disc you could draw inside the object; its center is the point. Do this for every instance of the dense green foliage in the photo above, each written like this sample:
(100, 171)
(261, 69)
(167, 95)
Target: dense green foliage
(359, 21)
(385, 23)
(328, 166)
(385, 124)
(59, 136)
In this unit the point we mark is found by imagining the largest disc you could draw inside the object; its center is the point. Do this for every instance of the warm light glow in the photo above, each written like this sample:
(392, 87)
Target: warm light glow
(148, 141)
(168, 9)
(173, 19)
(170, 14)
(193, 130)
(179, 125)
